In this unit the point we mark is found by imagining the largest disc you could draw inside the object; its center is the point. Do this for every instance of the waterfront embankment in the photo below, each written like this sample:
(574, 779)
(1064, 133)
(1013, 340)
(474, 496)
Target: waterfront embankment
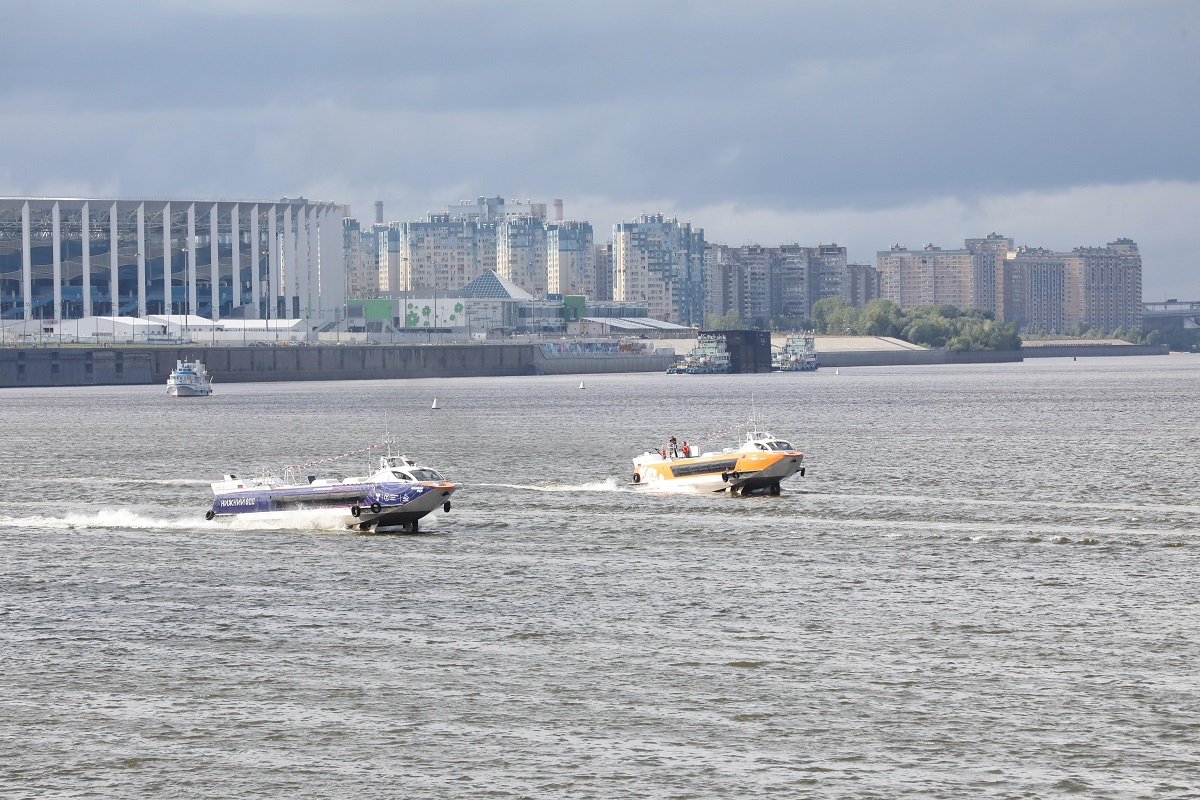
(138, 365)
(82, 365)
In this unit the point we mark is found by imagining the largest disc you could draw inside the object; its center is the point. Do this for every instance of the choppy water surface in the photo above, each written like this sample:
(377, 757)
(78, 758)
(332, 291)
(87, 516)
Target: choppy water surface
(985, 587)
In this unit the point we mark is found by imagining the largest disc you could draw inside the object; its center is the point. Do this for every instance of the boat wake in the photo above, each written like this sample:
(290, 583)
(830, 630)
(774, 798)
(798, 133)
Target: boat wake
(607, 485)
(105, 519)
(124, 519)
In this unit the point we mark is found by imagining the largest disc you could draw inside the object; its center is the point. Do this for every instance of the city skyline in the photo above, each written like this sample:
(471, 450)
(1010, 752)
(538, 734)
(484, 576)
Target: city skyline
(1064, 124)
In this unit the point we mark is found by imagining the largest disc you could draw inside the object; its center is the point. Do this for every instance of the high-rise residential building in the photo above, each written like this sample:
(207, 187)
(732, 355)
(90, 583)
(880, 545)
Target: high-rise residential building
(495, 209)
(1034, 289)
(720, 280)
(764, 283)
(828, 268)
(440, 253)
(361, 253)
(1104, 286)
(1099, 286)
(521, 253)
(861, 284)
(660, 261)
(66, 258)
(387, 258)
(927, 277)
(987, 276)
(793, 281)
(570, 259)
(604, 271)
(449, 250)
(740, 279)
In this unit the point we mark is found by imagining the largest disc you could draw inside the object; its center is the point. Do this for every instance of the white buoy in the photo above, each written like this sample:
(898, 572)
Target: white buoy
(835, 372)
(435, 405)
(581, 384)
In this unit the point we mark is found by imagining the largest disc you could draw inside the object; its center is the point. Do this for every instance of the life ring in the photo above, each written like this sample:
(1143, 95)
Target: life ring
(355, 511)
(375, 508)
(637, 477)
(209, 514)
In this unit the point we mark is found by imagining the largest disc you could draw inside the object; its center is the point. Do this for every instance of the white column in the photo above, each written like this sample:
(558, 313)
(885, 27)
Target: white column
(312, 286)
(328, 273)
(214, 265)
(56, 250)
(255, 260)
(235, 236)
(167, 258)
(333, 264)
(324, 267)
(113, 246)
(26, 262)
(86, 236)
(141, 260)
(287, 279)
(273, 284)
(302, 260)
(192, 307)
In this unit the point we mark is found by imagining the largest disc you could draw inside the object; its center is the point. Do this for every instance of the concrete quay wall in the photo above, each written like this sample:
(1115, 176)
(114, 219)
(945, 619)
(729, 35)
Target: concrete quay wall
(132, 365)
(82, 366)
(1094, 349)
(899, 358)
(601, 363)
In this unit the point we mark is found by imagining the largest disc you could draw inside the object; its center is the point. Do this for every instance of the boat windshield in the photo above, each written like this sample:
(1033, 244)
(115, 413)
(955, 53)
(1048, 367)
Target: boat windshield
(777, 444)
(425, 475)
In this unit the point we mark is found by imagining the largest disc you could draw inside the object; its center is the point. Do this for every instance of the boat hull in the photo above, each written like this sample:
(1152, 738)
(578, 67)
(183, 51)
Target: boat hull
(364, 506)
(737, 473)
(184, 390)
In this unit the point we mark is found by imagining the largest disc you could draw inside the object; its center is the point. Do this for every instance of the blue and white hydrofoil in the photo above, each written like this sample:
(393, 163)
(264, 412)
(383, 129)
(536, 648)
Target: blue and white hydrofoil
(394, 498)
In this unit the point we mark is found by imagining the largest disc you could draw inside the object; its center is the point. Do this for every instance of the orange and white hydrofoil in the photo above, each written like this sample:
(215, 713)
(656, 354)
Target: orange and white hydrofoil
(760, 464)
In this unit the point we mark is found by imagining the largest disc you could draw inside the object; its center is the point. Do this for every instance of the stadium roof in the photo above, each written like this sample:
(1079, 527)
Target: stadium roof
(637, 324)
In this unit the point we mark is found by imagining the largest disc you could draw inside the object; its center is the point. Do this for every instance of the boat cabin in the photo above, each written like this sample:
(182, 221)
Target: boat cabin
(405, 469)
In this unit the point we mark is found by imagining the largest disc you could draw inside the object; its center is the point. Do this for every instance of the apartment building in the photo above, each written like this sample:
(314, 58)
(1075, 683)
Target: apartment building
(660, 261)
(861, 284)
(604, 271)
(570, 259)
(521, 253)
(927, 277)
(1099, 286)
(360, 251)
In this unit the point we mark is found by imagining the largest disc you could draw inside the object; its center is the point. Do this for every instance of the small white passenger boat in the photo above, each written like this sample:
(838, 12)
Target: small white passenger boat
(393, 498)
(189, 379)
(760, 464)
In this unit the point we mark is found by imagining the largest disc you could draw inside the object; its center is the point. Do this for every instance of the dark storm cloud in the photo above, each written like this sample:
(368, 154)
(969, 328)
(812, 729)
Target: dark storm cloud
(788, 105)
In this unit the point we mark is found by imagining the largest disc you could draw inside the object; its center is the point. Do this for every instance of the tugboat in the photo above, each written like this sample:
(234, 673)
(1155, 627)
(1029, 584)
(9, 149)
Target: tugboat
(759, 465)
(708, 357)
(393, 498)
(189, 379)
(798, 354)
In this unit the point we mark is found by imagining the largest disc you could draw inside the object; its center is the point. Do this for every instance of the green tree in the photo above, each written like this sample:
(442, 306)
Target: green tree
(823, 309)
(729, 321)
(881, 318)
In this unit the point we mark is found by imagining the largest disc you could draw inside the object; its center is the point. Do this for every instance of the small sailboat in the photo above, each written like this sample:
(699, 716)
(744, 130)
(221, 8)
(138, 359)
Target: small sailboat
(435, 405)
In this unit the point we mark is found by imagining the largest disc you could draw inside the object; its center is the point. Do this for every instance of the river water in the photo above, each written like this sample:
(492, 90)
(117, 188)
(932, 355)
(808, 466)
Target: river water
(985, 587)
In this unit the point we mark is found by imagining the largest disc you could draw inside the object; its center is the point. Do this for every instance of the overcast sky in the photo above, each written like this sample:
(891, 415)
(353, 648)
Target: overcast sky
(1058, 123)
